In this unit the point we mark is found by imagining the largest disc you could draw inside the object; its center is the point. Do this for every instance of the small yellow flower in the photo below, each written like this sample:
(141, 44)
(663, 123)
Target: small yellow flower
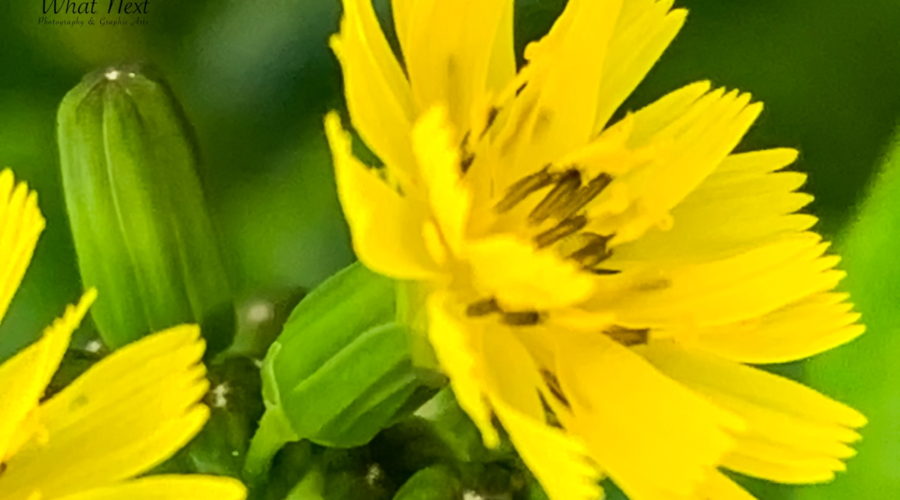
(125, 415)
(599, 286)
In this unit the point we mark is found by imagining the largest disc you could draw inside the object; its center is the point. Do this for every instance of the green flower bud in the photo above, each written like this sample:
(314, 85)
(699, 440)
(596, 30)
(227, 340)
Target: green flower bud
(136, 208)
(340, 371)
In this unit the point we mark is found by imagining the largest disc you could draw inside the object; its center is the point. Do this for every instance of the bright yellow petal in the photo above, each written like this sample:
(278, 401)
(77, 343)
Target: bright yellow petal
(690, 133)
(654, 438)
(557, 108)
(719, 292)
(455, 347)
(742, 205)
(438, 157)
(21, 224)
(387, 229)
(455, 52)
(793, 433)
(813, 325)
(558, 460)
(167, 488)
(521, 278)
(126, 414)
(644, 29)
(719, 487)
(378, 95)
(25, 376)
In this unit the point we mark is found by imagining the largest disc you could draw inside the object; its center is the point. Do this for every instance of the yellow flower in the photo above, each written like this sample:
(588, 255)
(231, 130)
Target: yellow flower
(597, 285)
(125, 415)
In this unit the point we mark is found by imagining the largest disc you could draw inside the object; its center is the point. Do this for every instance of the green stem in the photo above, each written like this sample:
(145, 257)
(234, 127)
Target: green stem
(273, 433)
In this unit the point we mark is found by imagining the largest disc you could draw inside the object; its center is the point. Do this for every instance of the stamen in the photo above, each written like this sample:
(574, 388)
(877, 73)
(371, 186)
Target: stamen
(466, 157)
(524, 187)
(466, 160)
(628, 336)
(554, 387)
(492, 114)
(521, 88)
(483, 308)
(593, 252)
(560, 231)
(584, 195)
(522, 318)
(565, 187)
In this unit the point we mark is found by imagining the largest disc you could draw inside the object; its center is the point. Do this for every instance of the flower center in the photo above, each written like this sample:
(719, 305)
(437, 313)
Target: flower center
(558, 217)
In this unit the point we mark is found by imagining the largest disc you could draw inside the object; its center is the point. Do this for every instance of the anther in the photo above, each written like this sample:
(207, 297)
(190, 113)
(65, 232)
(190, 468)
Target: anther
(489, 122)
(522, 318)
(524, 187)
(565, 187)
(466, 157)
(554, 387)
(628, 336)
(604, 272)
(593, 252)
(465, 161)
(560, 231)
(585, 195)
(521, 88)
(482, 308)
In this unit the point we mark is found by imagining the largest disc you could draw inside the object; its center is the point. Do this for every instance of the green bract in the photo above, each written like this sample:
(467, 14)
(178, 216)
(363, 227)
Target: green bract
(340, 371)
(141, 230)
(437, 482)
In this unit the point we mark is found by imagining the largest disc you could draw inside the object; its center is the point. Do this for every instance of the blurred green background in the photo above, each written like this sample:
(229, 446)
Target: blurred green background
(255, 78)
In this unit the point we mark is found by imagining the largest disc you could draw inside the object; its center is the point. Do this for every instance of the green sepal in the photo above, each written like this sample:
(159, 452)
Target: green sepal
(341, 370)
(137, 212)
(438, 482)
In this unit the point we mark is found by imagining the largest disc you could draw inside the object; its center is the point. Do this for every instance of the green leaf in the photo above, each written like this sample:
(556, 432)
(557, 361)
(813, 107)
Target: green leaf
(865, 373)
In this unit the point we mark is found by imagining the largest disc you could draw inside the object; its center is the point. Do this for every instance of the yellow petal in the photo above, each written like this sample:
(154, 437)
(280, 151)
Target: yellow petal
(558, 460)
(167, 488)
(719, 292)
(21, 224)
(455, 52)
(742, 205)
(690, 139)
(521, 278)
(126, 414)
(377, 92)
(810, 326)
(793, 434)
(25, 376)
(563, 92)
(644, 29)
(455, 343)
(438, 157)
(719, 487)
(387, 229)
(655, 438)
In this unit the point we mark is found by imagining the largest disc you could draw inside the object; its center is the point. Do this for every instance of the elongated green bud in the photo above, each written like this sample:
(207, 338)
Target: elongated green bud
(340, 371)
(138, 217)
